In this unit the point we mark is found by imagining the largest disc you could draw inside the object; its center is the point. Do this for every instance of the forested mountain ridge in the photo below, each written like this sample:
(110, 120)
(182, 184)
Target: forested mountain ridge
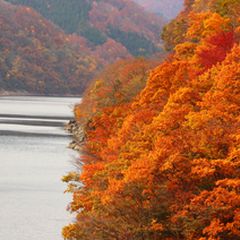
(37, 57)
(165, 164)
(98, 21)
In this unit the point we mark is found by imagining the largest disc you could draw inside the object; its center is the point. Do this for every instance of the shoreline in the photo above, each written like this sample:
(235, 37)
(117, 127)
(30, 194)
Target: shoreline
(27, 94)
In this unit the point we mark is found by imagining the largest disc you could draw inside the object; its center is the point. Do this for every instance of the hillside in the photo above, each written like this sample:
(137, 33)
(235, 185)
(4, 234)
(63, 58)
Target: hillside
(164, 164)
(37, 57)
(100, 21)
(166, 8)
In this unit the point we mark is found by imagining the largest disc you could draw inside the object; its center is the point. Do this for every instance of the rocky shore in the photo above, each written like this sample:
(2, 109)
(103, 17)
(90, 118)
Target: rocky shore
(77, 133)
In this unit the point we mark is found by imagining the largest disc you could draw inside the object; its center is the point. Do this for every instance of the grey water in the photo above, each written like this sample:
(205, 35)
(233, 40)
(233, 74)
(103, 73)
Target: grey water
(33, 158)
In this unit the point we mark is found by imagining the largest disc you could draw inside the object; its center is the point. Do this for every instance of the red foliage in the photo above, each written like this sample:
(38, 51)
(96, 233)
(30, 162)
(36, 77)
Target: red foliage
(215, 48)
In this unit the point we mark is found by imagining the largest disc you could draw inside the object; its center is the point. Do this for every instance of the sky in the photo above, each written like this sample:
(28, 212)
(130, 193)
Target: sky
(167, 8)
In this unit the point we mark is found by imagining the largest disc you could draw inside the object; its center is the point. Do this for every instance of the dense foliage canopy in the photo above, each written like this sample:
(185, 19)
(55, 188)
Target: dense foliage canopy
(165, 164)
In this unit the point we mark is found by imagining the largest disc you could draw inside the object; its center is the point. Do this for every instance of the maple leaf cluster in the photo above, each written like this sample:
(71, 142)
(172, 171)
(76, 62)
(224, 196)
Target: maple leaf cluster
(164, 162)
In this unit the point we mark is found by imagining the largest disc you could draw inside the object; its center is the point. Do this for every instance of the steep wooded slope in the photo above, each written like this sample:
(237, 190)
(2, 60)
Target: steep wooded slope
(166, 165)
(37, 57)
(97, 21)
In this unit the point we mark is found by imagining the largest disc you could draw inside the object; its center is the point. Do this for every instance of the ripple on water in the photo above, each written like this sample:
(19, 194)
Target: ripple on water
(33, 157)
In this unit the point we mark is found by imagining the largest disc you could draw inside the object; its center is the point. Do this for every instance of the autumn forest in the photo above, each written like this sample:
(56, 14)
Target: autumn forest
(57, 46)
(157, 131)
(160, 160)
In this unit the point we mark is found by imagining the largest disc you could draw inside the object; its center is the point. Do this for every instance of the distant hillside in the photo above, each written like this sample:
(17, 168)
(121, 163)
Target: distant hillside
(38, 57)
(166, 8)
(98, 22)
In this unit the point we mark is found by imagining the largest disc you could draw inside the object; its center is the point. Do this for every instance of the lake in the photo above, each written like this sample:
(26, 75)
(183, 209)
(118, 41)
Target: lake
(33, 158)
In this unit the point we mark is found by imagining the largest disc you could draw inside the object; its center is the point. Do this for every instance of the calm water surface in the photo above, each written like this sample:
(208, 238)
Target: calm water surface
(33, 157)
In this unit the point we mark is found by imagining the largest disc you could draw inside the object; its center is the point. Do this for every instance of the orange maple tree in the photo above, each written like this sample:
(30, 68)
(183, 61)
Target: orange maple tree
(165, 163)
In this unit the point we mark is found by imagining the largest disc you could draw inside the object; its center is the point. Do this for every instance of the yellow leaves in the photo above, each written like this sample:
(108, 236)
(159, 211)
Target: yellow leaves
(89, 171)
(114, 188)
(97, 85)
(215, 24)
(106, 199)
(69, 232)
(196, 22)
(140, 171)
(71, 176)
(184, 51)
(155, 226)
(196, 121)
(206, 24)
(78, 113)
(229, 8)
